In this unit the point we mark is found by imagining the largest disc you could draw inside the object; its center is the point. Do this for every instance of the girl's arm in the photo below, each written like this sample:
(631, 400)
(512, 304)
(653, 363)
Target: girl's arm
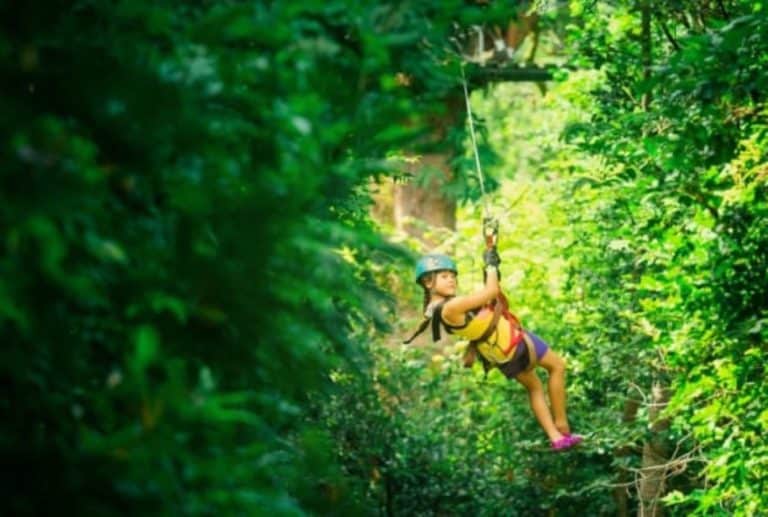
(455, 309)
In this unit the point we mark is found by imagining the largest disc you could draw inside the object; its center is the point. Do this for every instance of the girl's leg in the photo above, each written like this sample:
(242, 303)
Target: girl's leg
(555, 365)
(535, 389)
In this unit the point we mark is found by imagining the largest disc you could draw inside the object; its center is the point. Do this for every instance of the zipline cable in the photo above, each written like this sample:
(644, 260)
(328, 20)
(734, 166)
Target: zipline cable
(474, 139)
(490, 225)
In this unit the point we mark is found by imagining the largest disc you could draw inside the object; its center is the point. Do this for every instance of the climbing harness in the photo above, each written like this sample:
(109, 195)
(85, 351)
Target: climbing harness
(500, 308)
(490, 231)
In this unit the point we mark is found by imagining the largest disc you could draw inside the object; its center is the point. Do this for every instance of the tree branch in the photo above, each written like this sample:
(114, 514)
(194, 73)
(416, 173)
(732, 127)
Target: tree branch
(668, 34)
(485, 75)
(693, 193)
(722, 9)
(646, 44)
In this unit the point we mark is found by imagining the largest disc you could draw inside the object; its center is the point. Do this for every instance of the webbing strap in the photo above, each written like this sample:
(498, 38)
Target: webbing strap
(472, 351)
(422, 327)
(492, 326)
(434, 320)
(437, 316)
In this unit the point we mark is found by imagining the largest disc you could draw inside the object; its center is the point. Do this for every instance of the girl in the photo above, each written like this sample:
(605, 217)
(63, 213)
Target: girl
(505, 345)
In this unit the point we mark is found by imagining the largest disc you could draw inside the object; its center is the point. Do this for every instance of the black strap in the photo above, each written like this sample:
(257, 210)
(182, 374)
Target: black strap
(434, 319)
(422, 327)
(437, 318)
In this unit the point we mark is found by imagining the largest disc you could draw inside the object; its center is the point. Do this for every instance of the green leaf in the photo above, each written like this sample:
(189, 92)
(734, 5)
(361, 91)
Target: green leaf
(146, 345)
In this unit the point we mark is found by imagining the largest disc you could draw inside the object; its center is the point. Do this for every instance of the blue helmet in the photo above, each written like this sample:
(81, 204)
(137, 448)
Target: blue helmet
(434, 262)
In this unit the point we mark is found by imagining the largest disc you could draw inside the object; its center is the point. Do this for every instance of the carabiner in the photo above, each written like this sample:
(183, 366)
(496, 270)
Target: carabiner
(490, 231)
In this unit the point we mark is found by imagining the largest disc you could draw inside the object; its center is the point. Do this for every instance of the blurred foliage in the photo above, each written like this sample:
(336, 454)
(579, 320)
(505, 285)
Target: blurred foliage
(193, 296)
(185, 233)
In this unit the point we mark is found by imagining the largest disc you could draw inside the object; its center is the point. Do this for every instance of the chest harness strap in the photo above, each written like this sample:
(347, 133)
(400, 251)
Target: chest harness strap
(472, 352)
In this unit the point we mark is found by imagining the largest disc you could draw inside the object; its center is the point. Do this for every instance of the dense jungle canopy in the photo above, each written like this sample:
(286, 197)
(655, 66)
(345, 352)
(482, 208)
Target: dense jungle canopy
(204, 290)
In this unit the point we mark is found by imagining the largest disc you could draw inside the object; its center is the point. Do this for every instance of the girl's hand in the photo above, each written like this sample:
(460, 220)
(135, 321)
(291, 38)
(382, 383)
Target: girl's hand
(491, 257)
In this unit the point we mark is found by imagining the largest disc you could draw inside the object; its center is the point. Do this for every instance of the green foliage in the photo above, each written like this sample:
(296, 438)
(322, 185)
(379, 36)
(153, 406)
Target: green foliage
(675, 235)
(426, 437)
(179, 184)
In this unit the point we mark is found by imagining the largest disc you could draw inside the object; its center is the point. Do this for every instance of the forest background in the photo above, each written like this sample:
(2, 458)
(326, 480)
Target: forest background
(200, 315)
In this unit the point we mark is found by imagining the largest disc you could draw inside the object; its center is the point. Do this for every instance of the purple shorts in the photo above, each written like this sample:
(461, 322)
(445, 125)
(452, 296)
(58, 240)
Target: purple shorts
(520, 361)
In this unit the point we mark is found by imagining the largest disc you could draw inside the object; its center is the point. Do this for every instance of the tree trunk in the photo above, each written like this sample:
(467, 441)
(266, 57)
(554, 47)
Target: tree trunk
(655, 455)
(421, 205)
(620, 493)
(645, 22)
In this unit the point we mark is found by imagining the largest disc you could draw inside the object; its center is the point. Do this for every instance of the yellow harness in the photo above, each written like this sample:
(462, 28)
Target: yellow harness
(495, 338)
(496, 341)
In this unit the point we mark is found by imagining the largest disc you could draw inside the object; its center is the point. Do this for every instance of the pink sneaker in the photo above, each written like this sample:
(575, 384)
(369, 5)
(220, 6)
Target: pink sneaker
(566, 442)
(575, 438)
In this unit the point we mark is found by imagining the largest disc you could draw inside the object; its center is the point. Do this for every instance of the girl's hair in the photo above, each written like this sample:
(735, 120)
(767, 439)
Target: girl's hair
(427, 295)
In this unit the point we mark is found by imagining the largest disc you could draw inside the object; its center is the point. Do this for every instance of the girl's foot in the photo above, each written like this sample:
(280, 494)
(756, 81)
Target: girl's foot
(566, 442)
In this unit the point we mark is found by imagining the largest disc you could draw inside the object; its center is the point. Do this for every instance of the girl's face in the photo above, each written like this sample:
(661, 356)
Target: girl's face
(444, 283)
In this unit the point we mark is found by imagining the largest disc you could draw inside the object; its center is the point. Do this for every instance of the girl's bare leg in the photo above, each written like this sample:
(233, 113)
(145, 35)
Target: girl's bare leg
(555, 365)
(539, 406)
